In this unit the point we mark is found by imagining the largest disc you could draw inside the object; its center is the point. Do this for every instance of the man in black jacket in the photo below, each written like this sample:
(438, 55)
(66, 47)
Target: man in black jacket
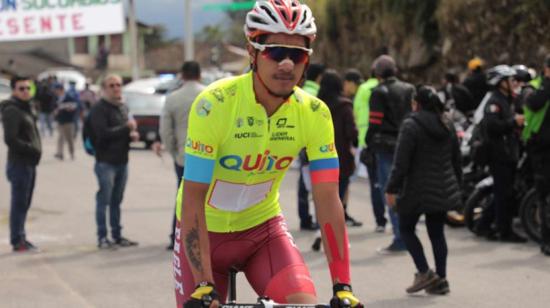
(539, 151)
(390, 102)
(501, 126)
(112, 133)
(24, 151)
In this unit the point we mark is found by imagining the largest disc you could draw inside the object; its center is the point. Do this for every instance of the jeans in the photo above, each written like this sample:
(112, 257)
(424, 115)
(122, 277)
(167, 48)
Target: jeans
(384, 162)
(112, 182)
(376, 197)
(46, 122)
(303, 203)
(179, 174)
(22, 178)
(435, 223)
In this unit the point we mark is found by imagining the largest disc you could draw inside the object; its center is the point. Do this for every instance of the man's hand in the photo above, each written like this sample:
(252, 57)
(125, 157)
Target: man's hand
(390, 200)
(343, 297)
(204, 296)
(134, 135)
(157, 148)
(132, 124)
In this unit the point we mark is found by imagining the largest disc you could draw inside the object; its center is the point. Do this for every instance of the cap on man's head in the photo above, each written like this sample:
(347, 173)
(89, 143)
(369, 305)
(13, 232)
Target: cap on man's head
(384, 66)
(475, 63)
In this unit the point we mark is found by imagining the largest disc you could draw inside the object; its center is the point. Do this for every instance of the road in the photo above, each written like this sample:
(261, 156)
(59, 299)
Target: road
(69, 271)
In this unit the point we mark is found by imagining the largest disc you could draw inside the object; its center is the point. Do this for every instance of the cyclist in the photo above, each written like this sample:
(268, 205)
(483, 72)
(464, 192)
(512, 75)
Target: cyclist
(243, 135)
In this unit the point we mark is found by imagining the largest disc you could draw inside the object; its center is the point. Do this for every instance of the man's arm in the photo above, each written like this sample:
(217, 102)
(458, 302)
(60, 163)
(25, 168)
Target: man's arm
(11, 120)
(330, 214)
(167, 130)
(539, 98)
(102, 130)
(194, 231)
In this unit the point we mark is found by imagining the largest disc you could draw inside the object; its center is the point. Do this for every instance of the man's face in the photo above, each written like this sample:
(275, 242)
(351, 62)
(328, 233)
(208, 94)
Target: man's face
(280, 77)
(547, 72)
(350, 88)
(113, 89)
(22, 90)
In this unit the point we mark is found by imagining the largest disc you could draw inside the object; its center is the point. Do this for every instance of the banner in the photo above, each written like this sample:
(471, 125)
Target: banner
(45, 19)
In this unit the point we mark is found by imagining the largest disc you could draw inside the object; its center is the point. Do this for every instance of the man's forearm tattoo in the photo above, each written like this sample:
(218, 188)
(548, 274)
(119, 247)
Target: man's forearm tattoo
(192, 247)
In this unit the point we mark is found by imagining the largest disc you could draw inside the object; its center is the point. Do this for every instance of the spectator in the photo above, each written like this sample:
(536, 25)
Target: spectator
(24, 152)
(426, 176)
(538, 146)
(173, 123)
(65, 114)
(390, 102)
(361, 110)
(46, 105)
(456, 96)
(500, 125)
(345, 133)
(476, 82)
(314, 74)
(352, 80)
(113, 132)
(87, 97)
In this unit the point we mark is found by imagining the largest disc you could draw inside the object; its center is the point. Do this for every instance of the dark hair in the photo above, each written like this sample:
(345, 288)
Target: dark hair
(314, 71)
(547, 61)
(451, 77)
(331, 88)
(385, 67)
(191, 70)
(353, 75)
(428, 99)
(15, 79)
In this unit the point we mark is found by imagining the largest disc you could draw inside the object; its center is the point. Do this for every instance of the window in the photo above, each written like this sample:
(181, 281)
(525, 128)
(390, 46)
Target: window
(81, 45)
(116, 44)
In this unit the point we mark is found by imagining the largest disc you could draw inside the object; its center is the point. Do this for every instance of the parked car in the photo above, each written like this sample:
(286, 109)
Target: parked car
(146, 110)
(5, 89)
(65, 75)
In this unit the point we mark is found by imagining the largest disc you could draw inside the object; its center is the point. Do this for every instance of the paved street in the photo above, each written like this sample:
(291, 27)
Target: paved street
(70, 272)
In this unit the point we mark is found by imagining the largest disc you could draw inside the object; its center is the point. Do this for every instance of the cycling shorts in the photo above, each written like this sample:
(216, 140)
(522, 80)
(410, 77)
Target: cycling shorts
(266, 254)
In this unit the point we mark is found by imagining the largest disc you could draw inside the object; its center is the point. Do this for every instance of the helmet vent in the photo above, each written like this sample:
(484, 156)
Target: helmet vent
(269, 13)
(304, 17)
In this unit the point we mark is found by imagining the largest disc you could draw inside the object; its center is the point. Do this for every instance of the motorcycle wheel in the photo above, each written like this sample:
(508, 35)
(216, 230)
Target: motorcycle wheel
(529, 215)
(478, 202)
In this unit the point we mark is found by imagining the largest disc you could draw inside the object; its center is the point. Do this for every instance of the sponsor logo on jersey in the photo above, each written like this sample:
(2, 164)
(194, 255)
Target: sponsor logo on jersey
(257, 163)
(218, 94)
(204, 108)
(327, 148)
(231, 91)
(315, 105)
(198, 146)
(250, 121)
(246, 135)
(240, 122)
(282, 136)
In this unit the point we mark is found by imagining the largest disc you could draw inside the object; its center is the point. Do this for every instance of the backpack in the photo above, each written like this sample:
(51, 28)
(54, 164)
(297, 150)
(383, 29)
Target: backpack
(479, 145)
(88, 135)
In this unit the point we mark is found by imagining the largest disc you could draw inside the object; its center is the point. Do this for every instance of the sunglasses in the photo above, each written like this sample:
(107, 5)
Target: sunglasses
(24, 89)
(278, 53)
(114, 85)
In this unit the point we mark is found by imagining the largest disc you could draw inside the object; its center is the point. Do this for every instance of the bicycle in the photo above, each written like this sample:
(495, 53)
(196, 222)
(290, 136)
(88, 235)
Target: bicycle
(263, 302)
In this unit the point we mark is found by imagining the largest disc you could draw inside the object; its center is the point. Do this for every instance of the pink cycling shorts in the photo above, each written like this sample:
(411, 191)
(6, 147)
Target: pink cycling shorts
(266, 254)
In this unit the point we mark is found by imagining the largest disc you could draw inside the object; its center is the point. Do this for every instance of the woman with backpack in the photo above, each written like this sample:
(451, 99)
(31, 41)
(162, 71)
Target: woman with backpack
(425, 181)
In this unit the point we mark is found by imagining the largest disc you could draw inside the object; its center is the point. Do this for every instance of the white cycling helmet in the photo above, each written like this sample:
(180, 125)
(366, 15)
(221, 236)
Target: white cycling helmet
(280, 16)
(499, 73)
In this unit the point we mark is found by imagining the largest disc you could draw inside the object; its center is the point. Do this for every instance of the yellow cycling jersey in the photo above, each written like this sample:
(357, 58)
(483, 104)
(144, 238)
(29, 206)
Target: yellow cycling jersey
(243, 154)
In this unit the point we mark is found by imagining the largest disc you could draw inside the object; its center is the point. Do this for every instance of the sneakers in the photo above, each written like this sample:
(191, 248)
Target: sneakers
(124, 242)
(312, 226)
(380, 229)
(104, 243)
(393, 248)
(24, 246)
(422, 281)
(439, 287)
(350, 222)
(58, 156)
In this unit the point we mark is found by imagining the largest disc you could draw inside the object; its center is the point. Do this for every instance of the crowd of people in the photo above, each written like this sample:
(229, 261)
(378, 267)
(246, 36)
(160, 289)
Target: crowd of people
(404, 134)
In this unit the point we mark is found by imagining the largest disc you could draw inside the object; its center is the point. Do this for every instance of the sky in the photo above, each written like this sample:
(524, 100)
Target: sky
(170, 13)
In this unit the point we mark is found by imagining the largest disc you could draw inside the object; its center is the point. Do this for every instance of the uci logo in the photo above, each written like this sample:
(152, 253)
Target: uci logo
(327, 148)
(261, 162)
(199, 147)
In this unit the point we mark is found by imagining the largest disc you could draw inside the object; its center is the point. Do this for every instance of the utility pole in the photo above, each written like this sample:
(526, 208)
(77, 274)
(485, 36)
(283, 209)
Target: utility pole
(134, 47)
(189, 37)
